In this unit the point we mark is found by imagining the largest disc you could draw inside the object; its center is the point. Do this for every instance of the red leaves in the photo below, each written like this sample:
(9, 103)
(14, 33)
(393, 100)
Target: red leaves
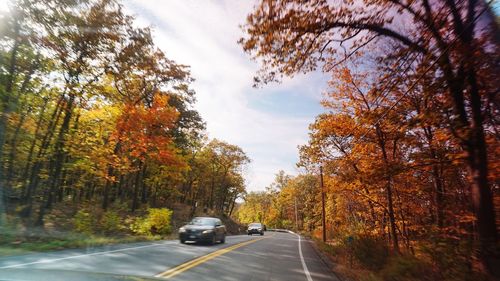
(143, 131)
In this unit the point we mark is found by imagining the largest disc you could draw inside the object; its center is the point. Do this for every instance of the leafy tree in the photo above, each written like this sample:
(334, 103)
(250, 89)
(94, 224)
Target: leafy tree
(93, 113)
(293, 36)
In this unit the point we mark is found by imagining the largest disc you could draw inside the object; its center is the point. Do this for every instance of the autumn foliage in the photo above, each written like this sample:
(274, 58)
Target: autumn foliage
(409, 137)
(144, 131)
(97, 126)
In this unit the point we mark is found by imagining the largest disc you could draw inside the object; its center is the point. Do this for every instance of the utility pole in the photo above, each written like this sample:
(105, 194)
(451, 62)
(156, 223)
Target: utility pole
(323, 220)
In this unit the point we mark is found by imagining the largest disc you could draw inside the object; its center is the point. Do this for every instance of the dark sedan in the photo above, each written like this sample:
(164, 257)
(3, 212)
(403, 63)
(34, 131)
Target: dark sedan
(203, 229)
(255, 228)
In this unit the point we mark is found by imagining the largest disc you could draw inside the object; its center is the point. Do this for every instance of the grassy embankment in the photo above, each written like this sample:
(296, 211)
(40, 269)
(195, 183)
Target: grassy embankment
(13, 242)
(67, 227)
(369, 259)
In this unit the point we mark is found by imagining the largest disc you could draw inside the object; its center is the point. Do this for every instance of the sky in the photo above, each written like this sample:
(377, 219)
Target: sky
(268, 123)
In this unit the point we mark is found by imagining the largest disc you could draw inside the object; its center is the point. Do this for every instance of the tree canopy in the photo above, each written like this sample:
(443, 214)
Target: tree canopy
(93, 113)
(409, 137)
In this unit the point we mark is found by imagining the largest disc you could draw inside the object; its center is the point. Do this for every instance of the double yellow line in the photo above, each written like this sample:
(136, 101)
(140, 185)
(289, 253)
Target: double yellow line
(190, 264)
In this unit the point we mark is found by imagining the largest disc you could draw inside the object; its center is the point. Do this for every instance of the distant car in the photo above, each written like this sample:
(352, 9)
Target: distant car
(203, 229)
(255, 228)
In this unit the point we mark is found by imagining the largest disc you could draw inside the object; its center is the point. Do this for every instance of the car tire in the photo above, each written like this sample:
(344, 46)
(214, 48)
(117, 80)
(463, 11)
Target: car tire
(261, 234)
(182, 241)
(223, 240)
(214, 240)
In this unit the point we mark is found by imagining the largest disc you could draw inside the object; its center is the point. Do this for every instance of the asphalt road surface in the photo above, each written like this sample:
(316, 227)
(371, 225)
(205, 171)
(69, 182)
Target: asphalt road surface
(274, 256)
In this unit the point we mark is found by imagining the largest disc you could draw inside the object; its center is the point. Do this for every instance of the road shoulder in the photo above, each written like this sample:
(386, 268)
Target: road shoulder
(327, 261)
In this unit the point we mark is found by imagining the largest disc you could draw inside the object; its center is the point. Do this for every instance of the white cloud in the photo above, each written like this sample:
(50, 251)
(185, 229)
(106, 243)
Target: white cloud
(203, 34)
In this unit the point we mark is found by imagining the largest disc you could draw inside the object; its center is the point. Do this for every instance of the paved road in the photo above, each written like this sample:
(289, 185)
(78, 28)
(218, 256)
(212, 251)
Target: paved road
(275, 256)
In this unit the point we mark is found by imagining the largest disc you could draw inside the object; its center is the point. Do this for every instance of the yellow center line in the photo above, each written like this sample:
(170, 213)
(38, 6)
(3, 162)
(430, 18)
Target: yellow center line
(190, 264)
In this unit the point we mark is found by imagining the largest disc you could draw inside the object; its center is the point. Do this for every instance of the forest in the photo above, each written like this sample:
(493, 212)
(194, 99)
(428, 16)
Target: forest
(408, 141)
(97, 124)
(99, 134)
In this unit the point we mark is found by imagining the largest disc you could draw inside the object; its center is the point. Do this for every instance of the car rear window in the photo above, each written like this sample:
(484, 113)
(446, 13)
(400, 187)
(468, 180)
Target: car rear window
(202, 221)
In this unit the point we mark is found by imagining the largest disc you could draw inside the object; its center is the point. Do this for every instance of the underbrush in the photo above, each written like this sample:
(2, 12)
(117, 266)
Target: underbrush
(84, 226)
(367, 258)
(156, 222)
(16, 241)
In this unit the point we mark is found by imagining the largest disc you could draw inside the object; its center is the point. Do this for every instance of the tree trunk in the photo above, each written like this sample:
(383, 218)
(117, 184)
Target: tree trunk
(5, 107)
(212, 188)
(110, 173)
(437, 180)
(32, 183)
(470, 133)
(35, 139)
(388, 187)
(194, 203)
(144, 188)
(482, 197)
(135, 199)
(13, 151)
(60, 154)
(60, 191)
(233, 204)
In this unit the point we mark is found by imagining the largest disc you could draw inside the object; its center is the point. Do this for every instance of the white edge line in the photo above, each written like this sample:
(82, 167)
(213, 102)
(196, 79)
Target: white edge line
(306, 271)
(84, 255)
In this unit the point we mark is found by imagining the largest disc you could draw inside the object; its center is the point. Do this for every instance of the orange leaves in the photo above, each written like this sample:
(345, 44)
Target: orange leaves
(339, 124)
(345, 75)
(143, 130)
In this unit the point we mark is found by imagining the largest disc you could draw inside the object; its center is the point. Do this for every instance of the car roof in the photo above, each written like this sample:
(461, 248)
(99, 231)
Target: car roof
(206, 218)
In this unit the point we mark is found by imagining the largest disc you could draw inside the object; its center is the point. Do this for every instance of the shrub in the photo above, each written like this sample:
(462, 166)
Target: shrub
(156, 222)
(83, 222)
(406, 268)
(451, 258)
(110, 222)
(370, 251)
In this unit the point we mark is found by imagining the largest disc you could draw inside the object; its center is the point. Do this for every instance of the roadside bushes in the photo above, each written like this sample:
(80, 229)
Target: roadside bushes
(373, 253)
(89, 222)
(407, 268)
(370, 251)
(156, 222)
(452, 258)
(110, 222)
(84, 222)
(367, 258)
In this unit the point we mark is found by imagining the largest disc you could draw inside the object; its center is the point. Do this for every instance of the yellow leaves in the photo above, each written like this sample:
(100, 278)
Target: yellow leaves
(255, 208)
(116, 136)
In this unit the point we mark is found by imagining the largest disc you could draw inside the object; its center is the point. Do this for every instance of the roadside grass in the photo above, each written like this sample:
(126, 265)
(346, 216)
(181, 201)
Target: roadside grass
(84, 226)
(370, 260)
(14, 242)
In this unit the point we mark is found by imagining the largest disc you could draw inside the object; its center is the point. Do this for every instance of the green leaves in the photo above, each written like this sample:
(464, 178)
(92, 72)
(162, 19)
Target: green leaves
(94, 113)
(157, 222)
